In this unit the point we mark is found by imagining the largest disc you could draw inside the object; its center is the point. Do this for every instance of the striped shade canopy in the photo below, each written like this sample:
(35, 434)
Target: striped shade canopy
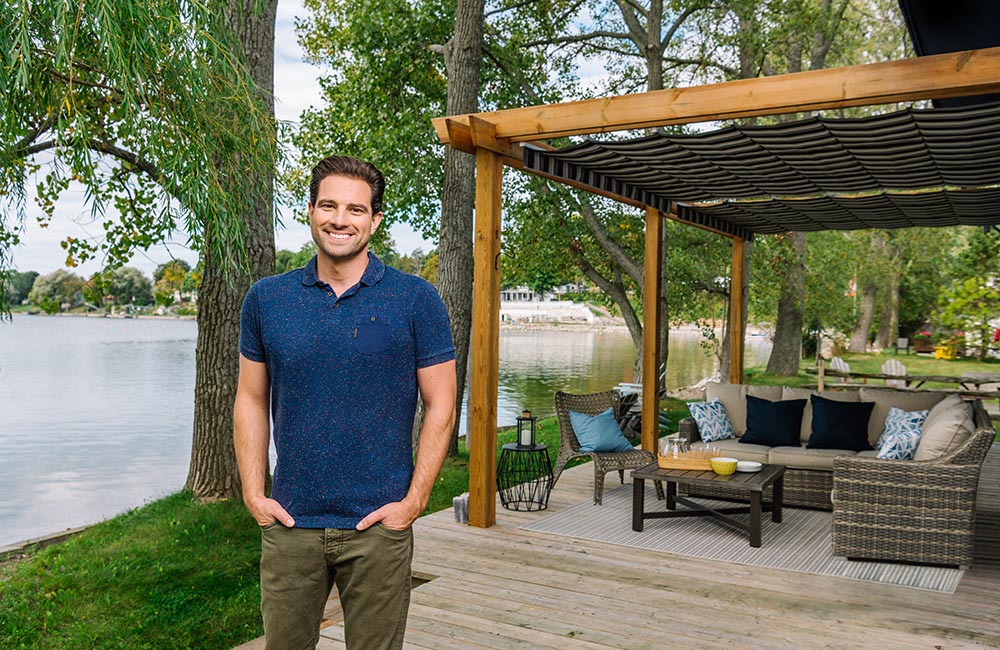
(916, 167)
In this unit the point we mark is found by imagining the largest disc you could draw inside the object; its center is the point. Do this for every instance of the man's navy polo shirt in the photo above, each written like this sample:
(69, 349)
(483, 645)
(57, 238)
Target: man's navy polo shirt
(343, 385)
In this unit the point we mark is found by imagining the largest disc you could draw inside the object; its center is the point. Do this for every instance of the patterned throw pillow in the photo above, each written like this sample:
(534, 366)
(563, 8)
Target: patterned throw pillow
(901, 435)
(713, 423)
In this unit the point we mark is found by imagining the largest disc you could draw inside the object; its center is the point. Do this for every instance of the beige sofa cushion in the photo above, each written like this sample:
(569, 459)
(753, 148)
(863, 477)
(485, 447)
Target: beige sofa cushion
(885, 398)
(733, 448)
(807, 414)
(948, 426)
(802, 458)
(733, 398)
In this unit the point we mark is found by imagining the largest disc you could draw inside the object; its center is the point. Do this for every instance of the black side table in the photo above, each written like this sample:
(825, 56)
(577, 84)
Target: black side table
(524, 477)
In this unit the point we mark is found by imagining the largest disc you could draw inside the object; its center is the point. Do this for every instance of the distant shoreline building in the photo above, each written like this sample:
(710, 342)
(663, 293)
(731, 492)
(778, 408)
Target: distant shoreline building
(521, 304)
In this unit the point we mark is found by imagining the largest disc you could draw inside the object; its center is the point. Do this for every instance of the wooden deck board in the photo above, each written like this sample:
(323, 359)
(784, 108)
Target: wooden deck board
(505, 587)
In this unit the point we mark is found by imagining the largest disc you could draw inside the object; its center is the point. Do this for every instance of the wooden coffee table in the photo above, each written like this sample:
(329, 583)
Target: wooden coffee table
(742, 484)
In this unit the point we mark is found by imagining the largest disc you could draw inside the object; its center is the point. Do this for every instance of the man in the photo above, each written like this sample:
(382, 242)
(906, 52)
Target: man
(336, 354)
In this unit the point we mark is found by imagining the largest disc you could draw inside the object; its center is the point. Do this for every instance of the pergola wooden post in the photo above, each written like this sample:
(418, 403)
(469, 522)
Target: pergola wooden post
(737, 337)
(651, 330)
(485, 349)
(495, 138)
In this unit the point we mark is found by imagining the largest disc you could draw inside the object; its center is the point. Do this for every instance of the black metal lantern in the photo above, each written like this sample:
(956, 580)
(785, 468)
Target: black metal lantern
(526, 430)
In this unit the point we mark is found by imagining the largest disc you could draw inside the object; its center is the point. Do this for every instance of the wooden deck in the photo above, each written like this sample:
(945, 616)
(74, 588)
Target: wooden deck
(504, 587)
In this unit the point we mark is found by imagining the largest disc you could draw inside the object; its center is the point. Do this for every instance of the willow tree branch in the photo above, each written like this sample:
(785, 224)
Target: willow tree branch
(109, 149)
(32, 135)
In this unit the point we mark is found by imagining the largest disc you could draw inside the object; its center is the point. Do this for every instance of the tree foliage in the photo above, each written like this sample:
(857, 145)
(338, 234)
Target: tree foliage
(969, 307)
(53, 291)
(286, 260)
(132, 104)
(126, 285)
(17, 285)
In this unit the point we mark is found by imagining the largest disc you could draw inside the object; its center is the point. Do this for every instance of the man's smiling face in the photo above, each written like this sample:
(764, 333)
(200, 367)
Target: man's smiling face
(341, 220)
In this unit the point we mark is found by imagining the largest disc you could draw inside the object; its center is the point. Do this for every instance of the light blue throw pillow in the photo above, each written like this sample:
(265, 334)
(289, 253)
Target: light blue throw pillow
(599, 432)
(901, 434)
(712, 419)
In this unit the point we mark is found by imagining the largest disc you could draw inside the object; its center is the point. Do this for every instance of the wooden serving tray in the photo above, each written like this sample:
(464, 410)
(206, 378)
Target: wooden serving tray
(683, 463)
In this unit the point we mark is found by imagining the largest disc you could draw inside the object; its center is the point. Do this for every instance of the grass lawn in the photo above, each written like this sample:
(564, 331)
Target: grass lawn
(172, 574)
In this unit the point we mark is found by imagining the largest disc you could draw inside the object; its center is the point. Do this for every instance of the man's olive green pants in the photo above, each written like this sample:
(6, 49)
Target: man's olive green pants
(371, 568)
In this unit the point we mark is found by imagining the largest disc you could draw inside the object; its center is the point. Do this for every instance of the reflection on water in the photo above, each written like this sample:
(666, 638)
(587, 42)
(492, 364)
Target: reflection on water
(97, 413)
(97, 418)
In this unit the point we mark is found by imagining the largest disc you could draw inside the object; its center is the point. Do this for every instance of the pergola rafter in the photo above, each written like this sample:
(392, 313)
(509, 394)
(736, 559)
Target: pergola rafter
(496, 139)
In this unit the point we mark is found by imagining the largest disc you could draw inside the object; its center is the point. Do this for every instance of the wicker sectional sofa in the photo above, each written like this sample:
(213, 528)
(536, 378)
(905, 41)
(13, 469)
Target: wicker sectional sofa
(918, 510)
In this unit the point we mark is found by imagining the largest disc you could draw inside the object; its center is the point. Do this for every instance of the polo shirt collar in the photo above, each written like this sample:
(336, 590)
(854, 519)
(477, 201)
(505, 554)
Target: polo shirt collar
(309, 278)
(374, 271)
(372, 275)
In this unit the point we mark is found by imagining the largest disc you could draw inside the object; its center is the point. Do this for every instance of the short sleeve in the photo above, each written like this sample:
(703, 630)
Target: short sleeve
(431, 328)
(251, 344)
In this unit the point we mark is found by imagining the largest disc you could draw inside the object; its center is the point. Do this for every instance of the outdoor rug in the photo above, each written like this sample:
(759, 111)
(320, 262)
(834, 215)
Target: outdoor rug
(800, 543)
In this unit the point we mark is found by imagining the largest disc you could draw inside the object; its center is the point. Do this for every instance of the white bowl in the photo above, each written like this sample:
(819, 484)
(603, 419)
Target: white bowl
(748, 466)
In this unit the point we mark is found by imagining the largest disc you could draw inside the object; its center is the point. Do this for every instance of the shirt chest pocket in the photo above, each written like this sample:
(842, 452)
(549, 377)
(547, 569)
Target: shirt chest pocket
(371, 335)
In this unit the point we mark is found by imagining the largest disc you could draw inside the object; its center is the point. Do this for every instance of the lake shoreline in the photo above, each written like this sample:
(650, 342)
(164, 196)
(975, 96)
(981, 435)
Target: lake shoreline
(112, 316)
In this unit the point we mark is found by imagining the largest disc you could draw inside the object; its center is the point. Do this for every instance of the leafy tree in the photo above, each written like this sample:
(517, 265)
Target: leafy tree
(169, 278)
(285, 260)
(95, 290)
(51, 291)
(430, 268)
(164, 112)
(978, 256)
(174, 271)
(17, 285)
(130, 286)
(969, 306)
(193, 278)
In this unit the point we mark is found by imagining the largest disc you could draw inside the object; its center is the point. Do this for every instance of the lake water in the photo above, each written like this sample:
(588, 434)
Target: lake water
(97, 413)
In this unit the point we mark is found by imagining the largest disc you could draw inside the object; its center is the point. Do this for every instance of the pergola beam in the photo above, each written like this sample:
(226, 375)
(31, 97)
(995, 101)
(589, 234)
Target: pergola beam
(957, 74)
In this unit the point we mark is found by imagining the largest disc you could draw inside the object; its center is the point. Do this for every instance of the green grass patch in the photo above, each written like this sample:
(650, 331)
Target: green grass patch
(172, 574)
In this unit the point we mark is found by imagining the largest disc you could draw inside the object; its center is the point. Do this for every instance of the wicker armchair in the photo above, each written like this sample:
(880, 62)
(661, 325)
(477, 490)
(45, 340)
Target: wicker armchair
(569, 446)
(910, 511)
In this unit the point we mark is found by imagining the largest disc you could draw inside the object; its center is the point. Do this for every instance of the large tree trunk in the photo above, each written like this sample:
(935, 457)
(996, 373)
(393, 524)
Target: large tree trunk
(213, 472)
(463, 54)
(859, 337)
(787, 350)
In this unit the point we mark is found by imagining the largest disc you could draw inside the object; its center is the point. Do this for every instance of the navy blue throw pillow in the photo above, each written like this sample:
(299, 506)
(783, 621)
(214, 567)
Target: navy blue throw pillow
(774, 424)
(840, 425)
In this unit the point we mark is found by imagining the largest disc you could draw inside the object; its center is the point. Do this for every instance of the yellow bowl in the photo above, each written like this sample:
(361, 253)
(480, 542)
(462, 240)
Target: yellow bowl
(723, 466)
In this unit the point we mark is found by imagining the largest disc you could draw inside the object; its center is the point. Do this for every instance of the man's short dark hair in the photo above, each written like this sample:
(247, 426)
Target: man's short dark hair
(351, 168)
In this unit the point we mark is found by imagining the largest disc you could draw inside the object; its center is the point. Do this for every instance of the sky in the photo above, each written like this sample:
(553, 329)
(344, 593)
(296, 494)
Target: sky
(295, 88)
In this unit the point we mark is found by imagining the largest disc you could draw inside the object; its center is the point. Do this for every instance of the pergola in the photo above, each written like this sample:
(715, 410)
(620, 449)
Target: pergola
(934, 167)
